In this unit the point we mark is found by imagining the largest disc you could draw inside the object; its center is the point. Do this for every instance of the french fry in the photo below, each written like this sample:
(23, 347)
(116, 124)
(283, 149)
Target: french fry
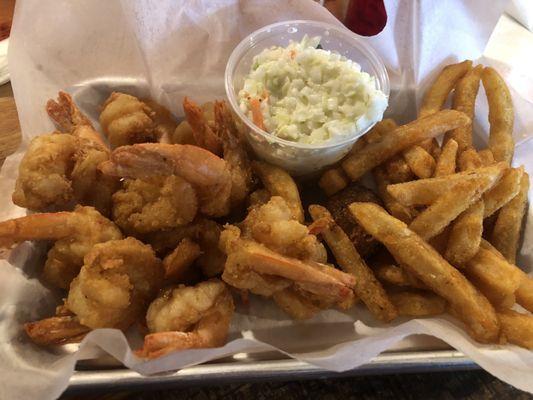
(417, 303)
(508, 301)
(375, 134)
(280, 183)
(360, 162)
(506, 232)
(427, 191)
(367, 287)
(464, 100)
(392, 274)
(421, 260)
(398, 210)
(469, 159)
(446, 162)
(437, 94)
(524, 294)
(486, 156)
(333, 180)
(516, 328)
(501, 115)
(492, 275)
(397, 170)
(420, 162)
(294, 304)
(443, 211)
(465, 235)
(506, 189)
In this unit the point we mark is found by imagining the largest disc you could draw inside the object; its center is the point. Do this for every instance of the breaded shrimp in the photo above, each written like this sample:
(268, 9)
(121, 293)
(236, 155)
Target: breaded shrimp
(188, 317)
(75, 234)
(117, 281)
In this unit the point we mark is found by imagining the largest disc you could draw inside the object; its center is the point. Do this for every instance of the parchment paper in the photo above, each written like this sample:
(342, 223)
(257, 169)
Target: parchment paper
(169, 49)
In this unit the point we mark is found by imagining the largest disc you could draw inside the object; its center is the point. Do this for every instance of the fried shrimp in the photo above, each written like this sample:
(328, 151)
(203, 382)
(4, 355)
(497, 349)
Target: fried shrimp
(56, 330)
(235, 155)
(127, 120)
(273, 225)
(208, 174)
(152, 204)
(117, 281)
(44, 173)
(203, 132)
(187, 317)
(75, 234)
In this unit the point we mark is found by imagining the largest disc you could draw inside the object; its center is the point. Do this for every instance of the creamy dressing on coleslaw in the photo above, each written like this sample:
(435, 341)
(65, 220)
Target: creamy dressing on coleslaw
(310, 95)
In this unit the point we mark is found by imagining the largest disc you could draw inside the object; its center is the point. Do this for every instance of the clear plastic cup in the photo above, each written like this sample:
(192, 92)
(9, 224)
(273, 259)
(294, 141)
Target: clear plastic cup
(299, 158)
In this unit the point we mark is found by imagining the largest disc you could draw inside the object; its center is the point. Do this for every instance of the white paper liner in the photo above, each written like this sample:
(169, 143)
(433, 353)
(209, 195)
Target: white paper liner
(169, 49)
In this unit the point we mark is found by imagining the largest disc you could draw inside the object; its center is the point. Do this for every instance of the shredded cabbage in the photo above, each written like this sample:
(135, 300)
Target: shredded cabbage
(310, 95)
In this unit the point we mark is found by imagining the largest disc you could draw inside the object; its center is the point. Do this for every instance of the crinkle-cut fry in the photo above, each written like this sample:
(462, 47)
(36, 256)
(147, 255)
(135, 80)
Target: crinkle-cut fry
(397, 170)
(367, 287)
(294, 304)
(469, 159)
(56, 330)
(486, 156)
(177, 264)
(504, 191)
(465, 235)
(516, 328)
(506, 232)
(398, 210)
(279, 183)
(492, 275)
(464, 100)
(333, 180)
(420, 259)
(438, 92)
(447, 160)
(360, 162)
(420, 162)
(524, 294)
(442, 212)
(417, 303)
(427, 191)
(501, 115)
(394, 275)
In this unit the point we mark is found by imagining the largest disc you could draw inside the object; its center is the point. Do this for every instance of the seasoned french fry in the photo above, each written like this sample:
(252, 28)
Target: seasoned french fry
(333, 180)
(465, 235)
(417, 303)
(397, 170)
(367, 287)
(501, 115)
(516, 328)
(294, 304)
(464, 100)
(420, 259)
(486, 156)
(469, 159)
(492, 275)
(446, 162)
(427, 191)
(280, 183)
(375, 134)
(394, 275)
(360, 162)
(437, 216)
(524, 294)
(437, 94)
(507, 188)
(403, 213)
(506, 232)
(420, 162)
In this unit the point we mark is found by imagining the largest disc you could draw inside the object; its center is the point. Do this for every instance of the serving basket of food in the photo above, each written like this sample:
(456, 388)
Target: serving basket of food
(245, 199)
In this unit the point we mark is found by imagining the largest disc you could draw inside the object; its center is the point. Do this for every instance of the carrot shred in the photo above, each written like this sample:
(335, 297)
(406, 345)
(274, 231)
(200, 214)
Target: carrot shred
(257, 115)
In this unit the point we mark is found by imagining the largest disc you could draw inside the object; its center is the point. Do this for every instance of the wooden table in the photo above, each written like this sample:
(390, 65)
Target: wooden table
(443, 385)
